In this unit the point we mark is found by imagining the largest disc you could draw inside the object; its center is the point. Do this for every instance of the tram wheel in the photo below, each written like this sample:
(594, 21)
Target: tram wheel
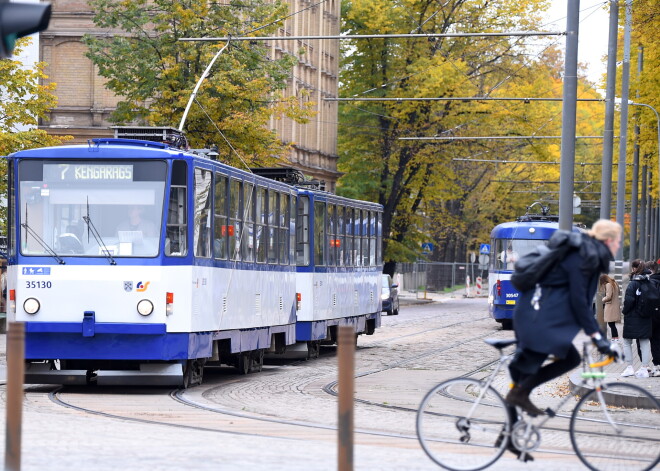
(257, 358)
(193, 372)
(313, 349)
(507, 324)
(244, 362)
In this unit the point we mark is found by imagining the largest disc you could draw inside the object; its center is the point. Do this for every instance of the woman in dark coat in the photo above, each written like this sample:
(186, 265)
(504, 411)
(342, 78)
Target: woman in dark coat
(637, 323)
(563, 308)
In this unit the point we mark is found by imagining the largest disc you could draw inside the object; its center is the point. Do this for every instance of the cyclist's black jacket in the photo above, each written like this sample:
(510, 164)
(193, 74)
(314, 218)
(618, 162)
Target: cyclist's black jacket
(567, 292)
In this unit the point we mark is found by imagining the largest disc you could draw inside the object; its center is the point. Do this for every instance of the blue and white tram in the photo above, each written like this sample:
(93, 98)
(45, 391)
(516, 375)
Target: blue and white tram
(205, 275)
(339, 256)
(509, 241)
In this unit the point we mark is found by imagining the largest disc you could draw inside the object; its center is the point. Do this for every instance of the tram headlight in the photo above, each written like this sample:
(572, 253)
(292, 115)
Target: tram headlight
(145, 307)
(31, 305)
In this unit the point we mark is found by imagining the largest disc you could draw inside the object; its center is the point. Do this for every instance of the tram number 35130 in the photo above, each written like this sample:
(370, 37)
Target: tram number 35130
(38, 284)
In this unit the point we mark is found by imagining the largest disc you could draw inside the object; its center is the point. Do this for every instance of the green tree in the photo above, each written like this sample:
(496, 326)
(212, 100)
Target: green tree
(23, 100)
(154, 73)
(427, 194)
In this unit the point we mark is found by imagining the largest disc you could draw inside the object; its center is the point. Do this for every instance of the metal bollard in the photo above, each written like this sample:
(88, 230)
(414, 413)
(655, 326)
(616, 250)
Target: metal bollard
(15, 375)
(346, 385)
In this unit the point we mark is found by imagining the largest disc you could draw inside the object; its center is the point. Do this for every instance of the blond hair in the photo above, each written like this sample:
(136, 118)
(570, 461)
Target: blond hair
(604, 229)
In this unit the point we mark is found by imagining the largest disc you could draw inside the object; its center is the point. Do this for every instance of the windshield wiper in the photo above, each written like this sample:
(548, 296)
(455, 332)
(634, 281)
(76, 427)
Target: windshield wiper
(43, 243)
(99, 240)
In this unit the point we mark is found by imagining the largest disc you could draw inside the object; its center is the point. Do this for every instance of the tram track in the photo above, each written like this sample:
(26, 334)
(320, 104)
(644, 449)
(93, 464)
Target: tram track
(178, 395)
(251, 424)
(58, 397)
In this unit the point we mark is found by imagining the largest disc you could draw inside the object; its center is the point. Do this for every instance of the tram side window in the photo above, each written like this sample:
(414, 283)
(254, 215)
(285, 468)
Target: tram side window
(235, 220)
(302, 231)
(261, 225)
(379, 239)
(319, 233)
(372, 238)
(247, 241)
(341, 230)
(273, 210)
(331, 248)
(177, 219)
(365, 238)
(202, 227)
(221, 229)
(283, 229)
(357, 243)
(292, 229)
(349, 237)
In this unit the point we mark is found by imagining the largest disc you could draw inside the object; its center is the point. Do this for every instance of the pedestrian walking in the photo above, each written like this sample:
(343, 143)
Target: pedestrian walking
(612, 302)
(654, 370)
(637, 318)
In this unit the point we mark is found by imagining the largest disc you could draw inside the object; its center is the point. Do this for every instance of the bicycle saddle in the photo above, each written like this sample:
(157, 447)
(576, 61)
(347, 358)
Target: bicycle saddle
(500, 344)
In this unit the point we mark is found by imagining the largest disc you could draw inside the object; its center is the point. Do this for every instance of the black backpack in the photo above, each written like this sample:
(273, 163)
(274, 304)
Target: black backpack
(532, 267)
(649, 298)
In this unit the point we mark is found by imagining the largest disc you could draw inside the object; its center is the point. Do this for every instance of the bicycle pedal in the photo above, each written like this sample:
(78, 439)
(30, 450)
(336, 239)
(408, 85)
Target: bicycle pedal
(550, 413)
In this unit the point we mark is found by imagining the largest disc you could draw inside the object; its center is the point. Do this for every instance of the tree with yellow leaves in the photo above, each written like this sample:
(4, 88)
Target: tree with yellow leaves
(429, 192)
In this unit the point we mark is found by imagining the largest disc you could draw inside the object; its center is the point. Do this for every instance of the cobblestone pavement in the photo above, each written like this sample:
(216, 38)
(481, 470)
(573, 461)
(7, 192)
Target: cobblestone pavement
(428, 342)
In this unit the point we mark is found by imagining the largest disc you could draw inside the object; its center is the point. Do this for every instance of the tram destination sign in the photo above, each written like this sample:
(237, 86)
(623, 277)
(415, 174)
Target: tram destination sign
(87, 172)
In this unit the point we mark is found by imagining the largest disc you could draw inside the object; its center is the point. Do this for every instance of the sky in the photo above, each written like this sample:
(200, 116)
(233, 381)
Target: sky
(593, 34)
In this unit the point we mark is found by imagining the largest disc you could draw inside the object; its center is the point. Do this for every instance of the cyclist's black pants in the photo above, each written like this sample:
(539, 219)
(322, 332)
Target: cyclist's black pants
(527, 371)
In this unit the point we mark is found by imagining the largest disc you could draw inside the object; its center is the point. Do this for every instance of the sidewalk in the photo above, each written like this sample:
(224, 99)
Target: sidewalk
(407, 298)
(613, 372)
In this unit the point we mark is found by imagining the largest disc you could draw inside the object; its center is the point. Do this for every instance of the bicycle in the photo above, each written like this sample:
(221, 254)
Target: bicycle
(464, 424)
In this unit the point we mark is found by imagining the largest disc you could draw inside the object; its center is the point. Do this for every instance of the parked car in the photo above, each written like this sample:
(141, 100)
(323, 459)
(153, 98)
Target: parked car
(390, 295)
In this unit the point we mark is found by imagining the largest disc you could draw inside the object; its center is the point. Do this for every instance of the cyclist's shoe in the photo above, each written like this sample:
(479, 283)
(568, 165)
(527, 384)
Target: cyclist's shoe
(642, 373)
(517, 452)
(510, 447)
(520, 397)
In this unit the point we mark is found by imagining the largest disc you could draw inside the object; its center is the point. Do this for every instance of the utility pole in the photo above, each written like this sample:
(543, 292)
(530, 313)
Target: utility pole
(634, 253)
(623, 137)
(608, 134)
(567, 166)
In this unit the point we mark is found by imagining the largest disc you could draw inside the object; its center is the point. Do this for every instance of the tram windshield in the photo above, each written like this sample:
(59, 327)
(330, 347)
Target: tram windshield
(508, 251)
(84, 208)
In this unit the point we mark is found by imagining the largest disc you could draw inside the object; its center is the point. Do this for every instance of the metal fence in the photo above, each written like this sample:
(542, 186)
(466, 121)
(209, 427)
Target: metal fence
(438, 276)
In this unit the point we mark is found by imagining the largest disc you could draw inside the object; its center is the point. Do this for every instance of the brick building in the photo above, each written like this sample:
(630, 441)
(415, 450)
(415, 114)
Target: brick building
(85, 105)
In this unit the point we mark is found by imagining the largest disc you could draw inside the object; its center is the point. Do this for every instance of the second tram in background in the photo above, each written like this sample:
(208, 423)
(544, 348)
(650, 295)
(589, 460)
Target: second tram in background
(510, 241)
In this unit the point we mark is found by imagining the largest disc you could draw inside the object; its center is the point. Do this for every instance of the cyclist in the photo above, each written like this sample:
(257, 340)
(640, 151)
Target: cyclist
(547, 326)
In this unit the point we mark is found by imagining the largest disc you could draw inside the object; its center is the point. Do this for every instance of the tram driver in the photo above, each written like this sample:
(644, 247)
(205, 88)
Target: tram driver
(508, 257)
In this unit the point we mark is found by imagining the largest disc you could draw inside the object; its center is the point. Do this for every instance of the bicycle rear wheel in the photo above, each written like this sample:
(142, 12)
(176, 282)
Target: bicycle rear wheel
(617, 428)
(458, 433)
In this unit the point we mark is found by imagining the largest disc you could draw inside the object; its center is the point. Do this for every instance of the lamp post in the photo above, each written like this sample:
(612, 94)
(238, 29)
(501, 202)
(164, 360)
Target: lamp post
(657, 118)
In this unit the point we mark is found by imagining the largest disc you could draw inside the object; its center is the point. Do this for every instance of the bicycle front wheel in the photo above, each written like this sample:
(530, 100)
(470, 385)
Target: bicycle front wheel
(463, 426)
(617, 428)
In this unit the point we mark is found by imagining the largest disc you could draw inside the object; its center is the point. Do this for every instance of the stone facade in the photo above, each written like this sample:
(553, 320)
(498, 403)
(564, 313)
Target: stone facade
(85, 105)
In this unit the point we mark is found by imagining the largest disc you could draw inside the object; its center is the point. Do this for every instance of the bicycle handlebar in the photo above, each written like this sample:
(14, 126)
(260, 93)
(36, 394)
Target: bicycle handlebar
(605, 362)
